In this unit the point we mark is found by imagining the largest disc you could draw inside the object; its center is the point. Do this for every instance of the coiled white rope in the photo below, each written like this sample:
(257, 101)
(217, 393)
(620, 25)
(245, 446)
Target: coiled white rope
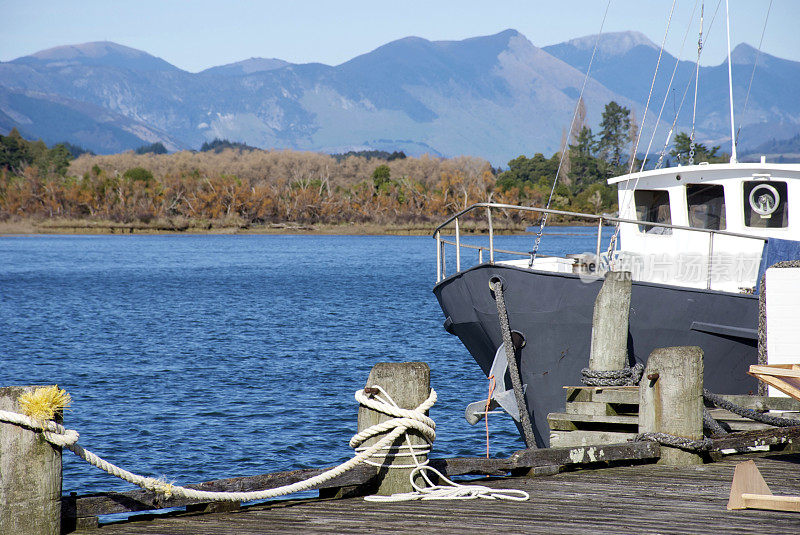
(449, 490)
(404, 419)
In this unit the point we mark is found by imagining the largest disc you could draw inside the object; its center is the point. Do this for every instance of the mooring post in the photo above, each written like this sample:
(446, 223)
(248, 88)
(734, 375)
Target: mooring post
(609, 349)
(409, 384)
(671, 399)
(30, 475)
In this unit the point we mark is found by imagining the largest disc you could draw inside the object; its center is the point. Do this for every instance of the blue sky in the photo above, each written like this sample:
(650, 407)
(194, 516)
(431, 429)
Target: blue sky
(198, 34)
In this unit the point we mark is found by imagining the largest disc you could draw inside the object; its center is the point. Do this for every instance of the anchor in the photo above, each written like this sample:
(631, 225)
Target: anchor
(502, 396)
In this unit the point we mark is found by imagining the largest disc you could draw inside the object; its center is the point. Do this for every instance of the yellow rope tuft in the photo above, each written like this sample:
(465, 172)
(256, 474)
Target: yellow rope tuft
(165, 487)
(43, 403)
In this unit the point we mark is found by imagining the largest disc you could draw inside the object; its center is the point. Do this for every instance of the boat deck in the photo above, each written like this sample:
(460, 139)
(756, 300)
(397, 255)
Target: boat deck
(634, 499)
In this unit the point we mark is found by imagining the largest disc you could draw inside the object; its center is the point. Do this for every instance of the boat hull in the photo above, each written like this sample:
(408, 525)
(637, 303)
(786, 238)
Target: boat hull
(554, 313)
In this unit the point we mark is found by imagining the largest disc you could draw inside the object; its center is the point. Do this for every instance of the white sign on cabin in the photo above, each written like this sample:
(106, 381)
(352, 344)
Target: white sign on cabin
(783, 318)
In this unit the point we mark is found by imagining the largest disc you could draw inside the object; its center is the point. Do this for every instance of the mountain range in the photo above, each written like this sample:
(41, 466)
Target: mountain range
(495, 96)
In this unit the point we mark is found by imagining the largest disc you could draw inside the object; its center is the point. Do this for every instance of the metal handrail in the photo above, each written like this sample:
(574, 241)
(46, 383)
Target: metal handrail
(592, 217)
(601, 219)
(501, 251)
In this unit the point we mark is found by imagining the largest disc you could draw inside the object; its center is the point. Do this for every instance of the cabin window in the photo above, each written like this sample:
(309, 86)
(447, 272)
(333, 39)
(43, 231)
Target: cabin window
(653, 206)
(706, 206)
(765, 204)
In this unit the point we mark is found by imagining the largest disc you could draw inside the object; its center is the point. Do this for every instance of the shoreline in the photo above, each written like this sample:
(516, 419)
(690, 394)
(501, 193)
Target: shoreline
(82, 227)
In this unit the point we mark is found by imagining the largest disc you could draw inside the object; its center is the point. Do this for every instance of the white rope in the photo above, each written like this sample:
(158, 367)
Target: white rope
(450, 490)
(402, 421)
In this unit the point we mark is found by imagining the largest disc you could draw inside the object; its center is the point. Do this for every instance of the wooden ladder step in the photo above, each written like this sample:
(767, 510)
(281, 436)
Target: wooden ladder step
(598, 408)
(568, 439)
(603, 394)
(561, 421)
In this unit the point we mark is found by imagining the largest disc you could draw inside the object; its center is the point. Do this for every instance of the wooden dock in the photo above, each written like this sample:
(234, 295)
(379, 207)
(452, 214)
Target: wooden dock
(634, 499)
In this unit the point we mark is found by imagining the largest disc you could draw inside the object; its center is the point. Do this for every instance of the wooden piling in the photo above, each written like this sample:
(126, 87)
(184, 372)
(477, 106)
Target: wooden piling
(408, 383)
(609, 349)
(30, 475)
(671, 399)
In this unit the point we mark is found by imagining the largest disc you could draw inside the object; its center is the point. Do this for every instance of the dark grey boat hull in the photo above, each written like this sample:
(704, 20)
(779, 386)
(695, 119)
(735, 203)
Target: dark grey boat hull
(554, 312)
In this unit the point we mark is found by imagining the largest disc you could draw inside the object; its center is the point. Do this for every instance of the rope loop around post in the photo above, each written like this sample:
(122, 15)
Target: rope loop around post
(53, 432)
(627, 376)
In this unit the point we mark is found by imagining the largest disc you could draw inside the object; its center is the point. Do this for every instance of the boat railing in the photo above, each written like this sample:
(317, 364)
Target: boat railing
(441, 264)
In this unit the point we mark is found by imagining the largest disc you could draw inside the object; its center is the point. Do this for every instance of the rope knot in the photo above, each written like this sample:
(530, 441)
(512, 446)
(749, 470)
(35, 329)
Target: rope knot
(63, 438)
(163, 487)
(402, 420)
(627, 376)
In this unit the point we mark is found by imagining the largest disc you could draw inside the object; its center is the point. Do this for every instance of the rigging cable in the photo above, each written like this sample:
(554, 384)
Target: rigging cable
(566, 142)
(663, 152)
(614, 237)
(696, 83)
(752, 74)
(667, 93)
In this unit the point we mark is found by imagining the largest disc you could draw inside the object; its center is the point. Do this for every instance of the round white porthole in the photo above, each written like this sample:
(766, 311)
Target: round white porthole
(764, 200)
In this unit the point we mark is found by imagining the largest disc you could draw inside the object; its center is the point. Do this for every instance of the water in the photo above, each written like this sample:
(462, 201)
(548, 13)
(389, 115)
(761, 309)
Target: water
(206, 357)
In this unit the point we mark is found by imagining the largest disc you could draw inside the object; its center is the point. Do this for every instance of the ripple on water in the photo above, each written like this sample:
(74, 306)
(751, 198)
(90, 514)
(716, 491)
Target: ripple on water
(204, 357)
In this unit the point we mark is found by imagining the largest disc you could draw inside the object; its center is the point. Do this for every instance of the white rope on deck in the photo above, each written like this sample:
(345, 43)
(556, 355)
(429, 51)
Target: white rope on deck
(449, 490)
(402, 421)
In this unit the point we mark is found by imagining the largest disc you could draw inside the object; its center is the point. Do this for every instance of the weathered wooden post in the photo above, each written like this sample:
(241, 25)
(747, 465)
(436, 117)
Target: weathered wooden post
(609, 349)
(671, 399)
(30, 475)
(409, 384)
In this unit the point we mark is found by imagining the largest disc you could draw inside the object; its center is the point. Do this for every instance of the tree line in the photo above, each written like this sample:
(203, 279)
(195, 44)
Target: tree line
(231, 184)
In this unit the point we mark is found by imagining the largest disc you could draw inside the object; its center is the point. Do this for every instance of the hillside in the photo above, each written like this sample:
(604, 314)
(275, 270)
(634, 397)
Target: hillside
(495, 96)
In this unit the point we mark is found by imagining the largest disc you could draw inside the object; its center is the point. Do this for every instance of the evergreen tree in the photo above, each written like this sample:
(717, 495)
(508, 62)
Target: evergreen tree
(218, 145)
(381, 176)
(682, 147)
(537, 170)
(584, 168)
(614, 134)
(154, 148)
(76, 150)
(16, 152)
(58, 159)
(13, 150)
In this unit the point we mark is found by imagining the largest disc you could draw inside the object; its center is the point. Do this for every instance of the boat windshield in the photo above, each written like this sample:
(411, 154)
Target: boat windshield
(653, 206)
(706, 206)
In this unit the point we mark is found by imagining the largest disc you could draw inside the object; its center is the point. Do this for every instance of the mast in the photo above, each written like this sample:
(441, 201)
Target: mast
(730, 83)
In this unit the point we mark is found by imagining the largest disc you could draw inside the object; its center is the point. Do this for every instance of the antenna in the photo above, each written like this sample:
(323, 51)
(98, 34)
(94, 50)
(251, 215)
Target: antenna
(730, 83)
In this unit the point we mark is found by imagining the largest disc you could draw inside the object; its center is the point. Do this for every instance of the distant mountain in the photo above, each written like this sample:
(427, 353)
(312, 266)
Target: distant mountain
(495, 96)
(578, 51)
(96, 54)
(782, 150)
(626, 61)
(248, 66)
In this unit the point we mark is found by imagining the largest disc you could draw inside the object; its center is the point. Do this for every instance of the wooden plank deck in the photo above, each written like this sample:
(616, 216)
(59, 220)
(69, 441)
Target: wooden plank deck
(634, 499)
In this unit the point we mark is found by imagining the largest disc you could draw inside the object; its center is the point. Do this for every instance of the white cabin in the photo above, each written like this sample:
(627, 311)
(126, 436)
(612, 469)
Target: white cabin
(752, 200)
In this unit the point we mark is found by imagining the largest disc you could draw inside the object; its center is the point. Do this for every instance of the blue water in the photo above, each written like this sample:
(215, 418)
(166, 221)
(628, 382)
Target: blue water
(205, 357)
